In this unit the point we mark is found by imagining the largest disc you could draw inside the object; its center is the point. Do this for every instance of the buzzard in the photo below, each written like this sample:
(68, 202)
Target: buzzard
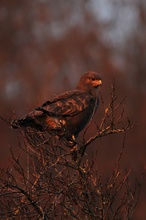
(68, 113)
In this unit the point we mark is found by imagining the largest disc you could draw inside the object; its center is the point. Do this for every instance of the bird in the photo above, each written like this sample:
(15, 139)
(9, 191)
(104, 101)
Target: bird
(68, 113)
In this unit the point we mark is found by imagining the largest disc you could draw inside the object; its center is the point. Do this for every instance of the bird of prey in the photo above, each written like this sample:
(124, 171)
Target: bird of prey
(68, 113)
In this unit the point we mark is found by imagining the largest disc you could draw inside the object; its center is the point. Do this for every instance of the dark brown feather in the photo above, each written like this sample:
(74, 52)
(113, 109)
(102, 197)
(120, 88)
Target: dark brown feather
(68, 112)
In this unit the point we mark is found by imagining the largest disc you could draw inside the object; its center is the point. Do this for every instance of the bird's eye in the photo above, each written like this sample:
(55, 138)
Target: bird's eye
(93, 79)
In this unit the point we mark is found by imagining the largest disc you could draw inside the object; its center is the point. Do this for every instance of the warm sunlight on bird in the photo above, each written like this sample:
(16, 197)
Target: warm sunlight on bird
(68, 113)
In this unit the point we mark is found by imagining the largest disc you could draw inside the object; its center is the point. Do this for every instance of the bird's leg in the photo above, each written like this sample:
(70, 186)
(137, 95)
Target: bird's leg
(74, 148)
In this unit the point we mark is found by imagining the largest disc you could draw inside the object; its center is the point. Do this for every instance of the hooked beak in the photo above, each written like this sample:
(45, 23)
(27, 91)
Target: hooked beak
(97, 83)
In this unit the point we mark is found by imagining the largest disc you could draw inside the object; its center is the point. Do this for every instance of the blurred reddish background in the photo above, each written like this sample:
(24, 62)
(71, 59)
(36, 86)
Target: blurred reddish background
(45, 46)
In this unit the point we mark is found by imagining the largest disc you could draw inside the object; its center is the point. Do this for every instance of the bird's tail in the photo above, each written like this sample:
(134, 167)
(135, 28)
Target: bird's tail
(14, 124)
(21, 123)
(33, 120)
(27, 122)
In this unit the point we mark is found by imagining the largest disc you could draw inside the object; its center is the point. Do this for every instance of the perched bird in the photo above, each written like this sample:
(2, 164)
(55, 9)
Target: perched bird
(68, 113)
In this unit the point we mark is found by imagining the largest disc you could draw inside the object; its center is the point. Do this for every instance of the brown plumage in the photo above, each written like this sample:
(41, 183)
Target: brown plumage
(67, 113)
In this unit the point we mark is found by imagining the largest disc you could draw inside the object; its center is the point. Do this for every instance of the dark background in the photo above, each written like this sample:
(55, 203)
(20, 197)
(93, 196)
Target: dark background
(45, 46)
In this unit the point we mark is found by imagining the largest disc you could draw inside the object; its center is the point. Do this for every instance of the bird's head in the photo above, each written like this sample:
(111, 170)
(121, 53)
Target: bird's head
(89, 81)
